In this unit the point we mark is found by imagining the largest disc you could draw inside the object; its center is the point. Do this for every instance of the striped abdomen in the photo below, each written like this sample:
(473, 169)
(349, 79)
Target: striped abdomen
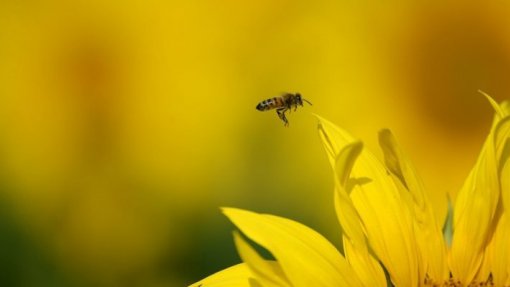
(270, 104)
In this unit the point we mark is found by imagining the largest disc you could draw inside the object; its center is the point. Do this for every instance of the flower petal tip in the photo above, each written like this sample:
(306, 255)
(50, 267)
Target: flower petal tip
(229, 211)
(386, 139)
(233, 213)
(226, 210)
(493, 103)
(319, 118)
(385, 132)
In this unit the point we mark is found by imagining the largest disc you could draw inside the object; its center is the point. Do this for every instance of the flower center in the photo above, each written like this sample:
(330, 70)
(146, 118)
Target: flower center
(452, 282)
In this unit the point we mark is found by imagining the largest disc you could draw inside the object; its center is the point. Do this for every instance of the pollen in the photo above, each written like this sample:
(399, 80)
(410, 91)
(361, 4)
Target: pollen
(452, 282)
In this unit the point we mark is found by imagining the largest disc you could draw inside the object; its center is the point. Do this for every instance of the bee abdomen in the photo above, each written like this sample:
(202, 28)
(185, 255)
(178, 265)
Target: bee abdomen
(261, 107)
(266, 105)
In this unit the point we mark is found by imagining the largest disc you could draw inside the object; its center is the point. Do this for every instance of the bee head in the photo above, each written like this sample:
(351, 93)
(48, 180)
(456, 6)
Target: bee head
(299, 100)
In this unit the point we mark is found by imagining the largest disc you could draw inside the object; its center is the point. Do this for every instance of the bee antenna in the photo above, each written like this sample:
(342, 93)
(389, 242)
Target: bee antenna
(307, 101)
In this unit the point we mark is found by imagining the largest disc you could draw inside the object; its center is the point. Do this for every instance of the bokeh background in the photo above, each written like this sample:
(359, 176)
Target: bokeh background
(125, 125)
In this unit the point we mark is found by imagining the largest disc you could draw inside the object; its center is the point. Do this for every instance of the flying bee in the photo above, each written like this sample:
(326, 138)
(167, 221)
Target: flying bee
(282, 104)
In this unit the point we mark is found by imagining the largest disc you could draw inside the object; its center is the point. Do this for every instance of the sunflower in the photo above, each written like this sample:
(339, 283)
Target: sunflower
(391, 234)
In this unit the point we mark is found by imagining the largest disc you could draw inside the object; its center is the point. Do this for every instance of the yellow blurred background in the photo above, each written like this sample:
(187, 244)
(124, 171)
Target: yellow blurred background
(124, 126)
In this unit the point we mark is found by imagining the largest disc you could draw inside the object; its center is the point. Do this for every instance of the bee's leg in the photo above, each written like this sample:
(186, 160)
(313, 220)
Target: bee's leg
(281, 115)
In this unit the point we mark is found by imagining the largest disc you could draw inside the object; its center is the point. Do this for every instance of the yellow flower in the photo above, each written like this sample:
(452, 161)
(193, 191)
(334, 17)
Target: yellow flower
(388, 224)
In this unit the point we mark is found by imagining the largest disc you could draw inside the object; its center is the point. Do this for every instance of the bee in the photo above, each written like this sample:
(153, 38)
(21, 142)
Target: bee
(282, 104)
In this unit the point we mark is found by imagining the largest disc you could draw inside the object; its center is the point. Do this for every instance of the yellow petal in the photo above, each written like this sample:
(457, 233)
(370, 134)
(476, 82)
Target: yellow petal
(496, 261)
(306, 257)
(401, 167)
(428, 230)
(500, 112)
(505, 106)
(345, 160)
(505, 184)
(383, 209)
(473, 214)
(356, 249)
(333, 146)
(503, 151)
(366, 266)
(235, 276)
(476, 204)
(267, 273)
(346, 212)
